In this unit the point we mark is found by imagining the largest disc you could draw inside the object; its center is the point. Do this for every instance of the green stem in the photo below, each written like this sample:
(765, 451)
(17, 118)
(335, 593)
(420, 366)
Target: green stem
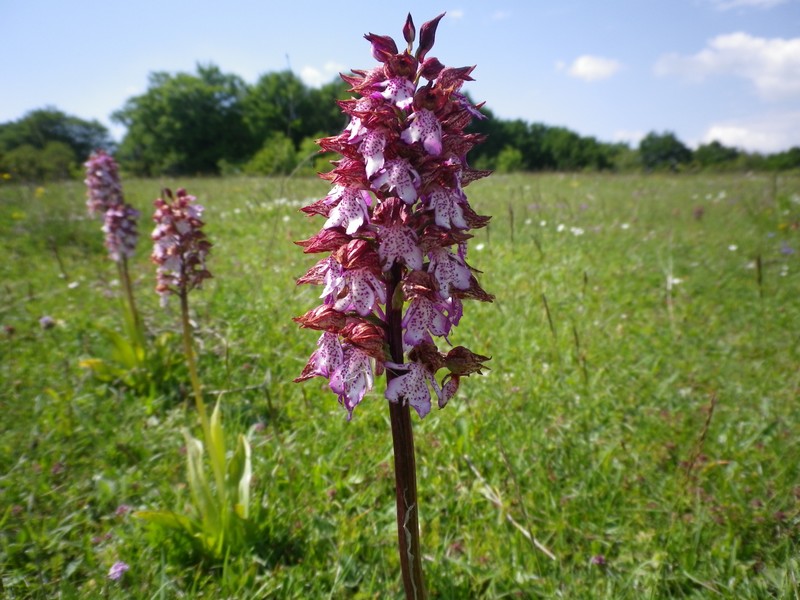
(127, 285)
(219, 470)
(405, 470)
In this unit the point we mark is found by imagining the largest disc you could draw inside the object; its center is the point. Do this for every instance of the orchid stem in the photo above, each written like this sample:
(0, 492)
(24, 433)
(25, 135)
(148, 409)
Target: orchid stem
(125, 276)
(192, 364)
(216, 449)
(405, 471)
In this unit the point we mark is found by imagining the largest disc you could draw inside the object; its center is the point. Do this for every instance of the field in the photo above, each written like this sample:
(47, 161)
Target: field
(638, 435)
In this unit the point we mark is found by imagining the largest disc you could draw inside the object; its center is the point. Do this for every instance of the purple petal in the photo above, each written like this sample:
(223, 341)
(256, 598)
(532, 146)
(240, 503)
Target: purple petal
(412, 387)
(399, 91)
(425, 127)
(364, 292)
(328, 356)
(352, 379)
(399, 176)
(446, 207)
(422, 317)
(449, 270)
(372, 151)
(399, 242)
(351, 210)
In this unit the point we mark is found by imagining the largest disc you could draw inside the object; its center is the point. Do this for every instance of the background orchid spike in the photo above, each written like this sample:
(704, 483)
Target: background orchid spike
(103, 187)
(104, 197)
(396, 230)
(180, 247)
(119, 225)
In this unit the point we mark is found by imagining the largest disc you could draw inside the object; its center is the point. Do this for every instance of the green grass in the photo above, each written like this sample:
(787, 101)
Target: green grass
(642, 404)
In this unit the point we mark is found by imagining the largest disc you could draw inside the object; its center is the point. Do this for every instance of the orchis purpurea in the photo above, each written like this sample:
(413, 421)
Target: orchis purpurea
(220, 524)
(104, 189)
(180, 247)
(105, 198)
(395, 237)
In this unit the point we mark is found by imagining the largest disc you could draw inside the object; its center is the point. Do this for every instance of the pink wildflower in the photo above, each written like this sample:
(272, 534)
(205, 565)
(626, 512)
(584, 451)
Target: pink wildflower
(119, 225)
(117, 570)
(180, 247)
(102, 182)
(104, 197)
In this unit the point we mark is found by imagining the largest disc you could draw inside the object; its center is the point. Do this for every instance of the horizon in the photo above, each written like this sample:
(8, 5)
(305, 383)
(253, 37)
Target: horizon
(724, 70)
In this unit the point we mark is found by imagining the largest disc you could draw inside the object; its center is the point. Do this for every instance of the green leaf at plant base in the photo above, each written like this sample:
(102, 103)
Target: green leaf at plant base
(216, 447)
(125, 351)
(239, 476)
(166, 519)
(202, 495)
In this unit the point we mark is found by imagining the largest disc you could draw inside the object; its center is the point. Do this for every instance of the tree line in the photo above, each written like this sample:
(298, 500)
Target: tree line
(210, 122)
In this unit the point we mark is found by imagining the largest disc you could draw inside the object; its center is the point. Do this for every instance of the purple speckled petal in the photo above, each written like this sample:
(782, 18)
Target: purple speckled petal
(372, 151)
(399, 176)
(399, 242)
(447, 208)
(351, 210)
(333, 279)
(449, 390)
(412, 387)
(352, 379)
(399, 91)
(328, 355)
(449, 270)
(364, 291)
(423, 318)
(424, 127)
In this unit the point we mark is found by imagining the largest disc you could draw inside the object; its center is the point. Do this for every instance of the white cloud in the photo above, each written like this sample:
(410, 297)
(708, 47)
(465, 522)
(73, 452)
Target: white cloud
(630, 137)
(500, 15)
(591, 68)
(729, 4)
(771, 65)
(455, 13)
(316, 77)
(769, 133)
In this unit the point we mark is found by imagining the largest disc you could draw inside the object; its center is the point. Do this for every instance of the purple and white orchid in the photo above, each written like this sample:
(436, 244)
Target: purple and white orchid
(397, 222)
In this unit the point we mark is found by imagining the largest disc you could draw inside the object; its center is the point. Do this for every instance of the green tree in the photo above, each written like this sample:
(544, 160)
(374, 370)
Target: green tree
(783, 161)
(663, 151)
(59, 161)
(185, 123)
(322, 115)
(23, 163)
(277, 104)
(40, 127)
(715, 154)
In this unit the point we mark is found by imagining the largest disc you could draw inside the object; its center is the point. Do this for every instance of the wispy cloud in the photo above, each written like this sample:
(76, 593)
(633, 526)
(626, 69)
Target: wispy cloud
(729, 4)
(316, 77)
(455, 13)
(499, 15)
(771, 65)
(769, 133)
(591, 68)
(629, 137)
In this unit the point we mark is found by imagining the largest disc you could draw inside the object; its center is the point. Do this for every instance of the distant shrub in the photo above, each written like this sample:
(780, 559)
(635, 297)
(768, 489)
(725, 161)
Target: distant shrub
(276, 157)
(56, 161)
(510, 160)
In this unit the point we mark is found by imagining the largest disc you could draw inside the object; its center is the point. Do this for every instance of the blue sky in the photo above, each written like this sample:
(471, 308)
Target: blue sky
(704, 69)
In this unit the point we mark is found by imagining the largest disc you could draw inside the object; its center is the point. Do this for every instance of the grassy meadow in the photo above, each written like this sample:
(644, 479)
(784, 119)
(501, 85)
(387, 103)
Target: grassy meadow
(638, 435)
